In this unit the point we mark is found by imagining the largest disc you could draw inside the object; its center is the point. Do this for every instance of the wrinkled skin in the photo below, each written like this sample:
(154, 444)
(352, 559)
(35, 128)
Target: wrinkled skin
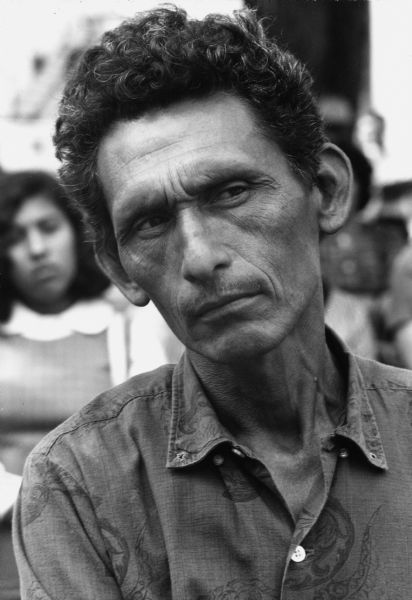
(213, 225)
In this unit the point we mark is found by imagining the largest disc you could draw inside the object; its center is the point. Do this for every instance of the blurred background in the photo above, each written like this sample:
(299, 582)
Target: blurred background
(39, 44)
(359, 51)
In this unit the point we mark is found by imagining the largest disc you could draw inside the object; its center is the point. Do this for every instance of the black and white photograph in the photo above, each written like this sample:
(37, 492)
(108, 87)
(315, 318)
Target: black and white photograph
(205, 300)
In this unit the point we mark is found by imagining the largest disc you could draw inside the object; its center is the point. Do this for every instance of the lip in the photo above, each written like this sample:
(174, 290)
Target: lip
(44, 272)
(217, 306)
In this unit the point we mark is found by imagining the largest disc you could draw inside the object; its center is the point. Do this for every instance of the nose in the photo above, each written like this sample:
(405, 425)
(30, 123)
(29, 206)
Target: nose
(36, 243)
(202, 250)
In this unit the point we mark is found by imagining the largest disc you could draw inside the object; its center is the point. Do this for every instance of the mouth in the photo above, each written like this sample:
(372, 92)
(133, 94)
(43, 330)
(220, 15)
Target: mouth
(44, 273)
(223, 305)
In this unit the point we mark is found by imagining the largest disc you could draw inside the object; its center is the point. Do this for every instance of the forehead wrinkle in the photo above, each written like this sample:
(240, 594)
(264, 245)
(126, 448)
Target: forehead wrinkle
(139, 165)
(187, 178)
(156, 143)
(152, 154)
(149, 153)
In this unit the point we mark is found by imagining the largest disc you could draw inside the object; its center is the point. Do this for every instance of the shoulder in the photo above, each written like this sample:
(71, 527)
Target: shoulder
(380, 376)
(386, 410)
(118, 409)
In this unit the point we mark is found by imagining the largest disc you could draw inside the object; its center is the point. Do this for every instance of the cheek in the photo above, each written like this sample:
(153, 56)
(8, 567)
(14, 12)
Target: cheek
(66, 245)
(279, 228)
(18, 264)
(269, 220)
(148, 264)
(287, 251)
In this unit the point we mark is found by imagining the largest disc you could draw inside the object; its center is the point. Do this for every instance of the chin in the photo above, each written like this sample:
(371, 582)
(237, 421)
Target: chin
(238, 347)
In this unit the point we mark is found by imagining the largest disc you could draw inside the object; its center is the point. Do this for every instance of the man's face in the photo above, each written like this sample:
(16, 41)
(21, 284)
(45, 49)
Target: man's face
(212, 224)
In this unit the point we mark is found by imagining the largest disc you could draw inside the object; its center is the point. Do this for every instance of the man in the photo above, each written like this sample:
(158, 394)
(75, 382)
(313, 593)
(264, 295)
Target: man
(257, 468)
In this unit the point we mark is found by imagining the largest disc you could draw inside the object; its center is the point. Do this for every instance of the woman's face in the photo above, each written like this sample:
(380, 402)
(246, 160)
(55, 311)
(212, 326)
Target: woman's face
(43, 255)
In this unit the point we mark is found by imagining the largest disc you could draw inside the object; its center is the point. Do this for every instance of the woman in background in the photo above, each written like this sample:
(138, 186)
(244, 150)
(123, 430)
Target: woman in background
(62, 341)
(53, 327)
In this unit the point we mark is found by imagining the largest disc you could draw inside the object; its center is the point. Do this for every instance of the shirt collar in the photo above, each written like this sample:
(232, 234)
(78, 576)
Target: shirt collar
(195, 429)
(360, 425)
(88, 317)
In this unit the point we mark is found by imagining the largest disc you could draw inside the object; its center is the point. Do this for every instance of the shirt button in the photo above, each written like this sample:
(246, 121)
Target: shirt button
(299, 554)
(218, 460)
(343, 453)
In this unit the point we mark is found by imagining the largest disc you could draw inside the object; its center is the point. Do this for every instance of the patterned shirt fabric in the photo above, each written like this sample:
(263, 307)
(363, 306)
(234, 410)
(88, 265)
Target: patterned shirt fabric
(144, 494)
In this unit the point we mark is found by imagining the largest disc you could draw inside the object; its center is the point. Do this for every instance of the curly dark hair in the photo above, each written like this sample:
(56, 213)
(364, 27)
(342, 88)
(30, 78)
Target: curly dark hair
(15, 189)
(161, 57)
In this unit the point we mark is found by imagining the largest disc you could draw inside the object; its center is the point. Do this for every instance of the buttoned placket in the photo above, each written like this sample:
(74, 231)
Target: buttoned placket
(226, 457)
(298, 553)
(336, 458)
(359, 428)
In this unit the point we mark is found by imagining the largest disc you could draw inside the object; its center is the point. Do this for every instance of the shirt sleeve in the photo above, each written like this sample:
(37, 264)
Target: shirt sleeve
(60, 550)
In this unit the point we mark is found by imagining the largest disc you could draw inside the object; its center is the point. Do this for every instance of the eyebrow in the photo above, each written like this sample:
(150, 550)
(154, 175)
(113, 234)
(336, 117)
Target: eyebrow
(208, 177)
(40, 220)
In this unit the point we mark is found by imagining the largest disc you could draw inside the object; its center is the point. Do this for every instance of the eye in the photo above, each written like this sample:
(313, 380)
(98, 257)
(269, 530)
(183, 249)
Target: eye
(234, 190)
(151, 225)
(231, 194)
(49, 225)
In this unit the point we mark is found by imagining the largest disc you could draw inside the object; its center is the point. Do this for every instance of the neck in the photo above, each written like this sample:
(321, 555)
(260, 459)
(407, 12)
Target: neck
(285, 396)
(48, 308)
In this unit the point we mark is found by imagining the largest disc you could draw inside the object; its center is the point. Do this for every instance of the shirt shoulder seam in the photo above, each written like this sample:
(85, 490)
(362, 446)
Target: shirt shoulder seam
(46, 450)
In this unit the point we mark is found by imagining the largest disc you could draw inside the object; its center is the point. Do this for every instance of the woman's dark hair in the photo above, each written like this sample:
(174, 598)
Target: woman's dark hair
(161, 57)
(15, 189)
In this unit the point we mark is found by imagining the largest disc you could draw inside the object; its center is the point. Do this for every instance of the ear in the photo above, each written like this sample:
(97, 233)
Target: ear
(335, 181)
(109, 261)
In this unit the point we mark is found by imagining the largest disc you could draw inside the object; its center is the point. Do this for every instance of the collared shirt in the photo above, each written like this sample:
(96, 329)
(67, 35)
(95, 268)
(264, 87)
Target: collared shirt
(145, 495)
